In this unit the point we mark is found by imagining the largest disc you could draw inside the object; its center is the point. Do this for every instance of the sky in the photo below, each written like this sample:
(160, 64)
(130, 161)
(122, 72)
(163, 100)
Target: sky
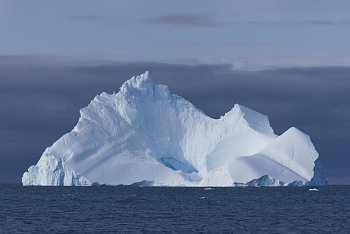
(287, 59)
(250, 34)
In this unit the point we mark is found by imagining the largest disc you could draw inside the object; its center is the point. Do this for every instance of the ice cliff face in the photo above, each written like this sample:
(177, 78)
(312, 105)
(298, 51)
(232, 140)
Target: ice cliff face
(52, 171)
(145, 133)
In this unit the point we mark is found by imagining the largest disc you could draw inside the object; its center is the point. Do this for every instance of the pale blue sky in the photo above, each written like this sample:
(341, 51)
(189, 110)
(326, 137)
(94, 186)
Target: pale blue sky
(248, 34)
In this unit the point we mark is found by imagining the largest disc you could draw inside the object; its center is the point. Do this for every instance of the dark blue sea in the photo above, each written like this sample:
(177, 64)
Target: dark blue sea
(123, 209)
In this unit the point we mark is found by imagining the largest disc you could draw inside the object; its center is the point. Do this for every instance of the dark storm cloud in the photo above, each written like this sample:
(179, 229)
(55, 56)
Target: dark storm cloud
(193, 20)
(203, 20)
(326, 22)
(40, 101)
(87, 18)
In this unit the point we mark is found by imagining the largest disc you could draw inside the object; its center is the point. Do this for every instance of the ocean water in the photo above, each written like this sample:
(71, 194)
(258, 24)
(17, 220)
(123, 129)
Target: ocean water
(123, 209)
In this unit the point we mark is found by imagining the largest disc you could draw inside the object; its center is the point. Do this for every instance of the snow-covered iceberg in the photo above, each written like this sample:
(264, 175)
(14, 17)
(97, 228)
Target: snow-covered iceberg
(268, 181)
(145, 133)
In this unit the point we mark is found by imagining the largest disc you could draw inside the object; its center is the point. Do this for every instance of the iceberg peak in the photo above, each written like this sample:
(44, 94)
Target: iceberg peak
(143, 83)
(250, 117)
(143, 86)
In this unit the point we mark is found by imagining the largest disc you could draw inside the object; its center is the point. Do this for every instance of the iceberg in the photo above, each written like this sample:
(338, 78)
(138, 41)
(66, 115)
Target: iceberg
(146, 135)
(268, 181)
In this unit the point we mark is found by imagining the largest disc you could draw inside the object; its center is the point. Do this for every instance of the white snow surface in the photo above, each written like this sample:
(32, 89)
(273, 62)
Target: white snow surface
(145, 133)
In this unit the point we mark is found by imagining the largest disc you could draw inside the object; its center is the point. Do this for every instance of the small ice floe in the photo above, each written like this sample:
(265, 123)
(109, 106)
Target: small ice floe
(203, 198)
(313, 190)
(208, 189)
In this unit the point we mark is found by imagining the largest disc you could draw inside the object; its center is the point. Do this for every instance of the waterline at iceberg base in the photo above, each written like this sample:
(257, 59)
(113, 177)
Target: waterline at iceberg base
(144, 133)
